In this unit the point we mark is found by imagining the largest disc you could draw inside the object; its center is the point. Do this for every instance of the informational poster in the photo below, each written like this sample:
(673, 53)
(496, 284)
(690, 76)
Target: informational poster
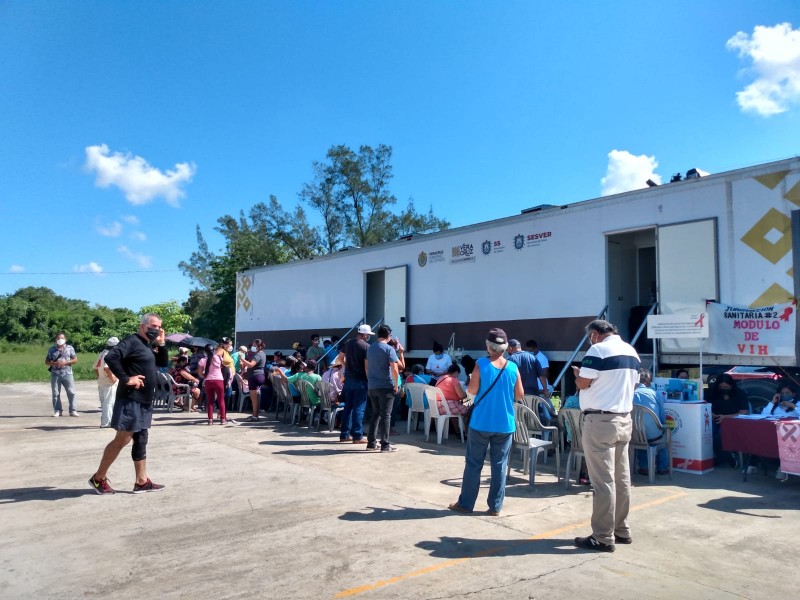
(677, 326)
(760, 332)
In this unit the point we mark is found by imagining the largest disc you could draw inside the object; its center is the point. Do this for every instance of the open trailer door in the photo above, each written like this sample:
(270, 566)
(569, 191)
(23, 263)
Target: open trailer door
(687, 274)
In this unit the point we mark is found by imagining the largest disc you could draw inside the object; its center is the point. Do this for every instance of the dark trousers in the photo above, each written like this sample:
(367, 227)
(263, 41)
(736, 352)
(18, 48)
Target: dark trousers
(381, 401)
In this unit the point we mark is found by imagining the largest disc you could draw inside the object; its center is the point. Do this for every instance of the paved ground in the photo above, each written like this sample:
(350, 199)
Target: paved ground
(274, 511)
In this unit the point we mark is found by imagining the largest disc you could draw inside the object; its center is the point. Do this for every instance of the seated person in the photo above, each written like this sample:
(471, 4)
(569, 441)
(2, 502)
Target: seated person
(727, 401)
(645, 396)
(418, 376)
(180, 373)
(454, 394)
(784, 402)
(438, 362)
(334, 376)
(304, 371)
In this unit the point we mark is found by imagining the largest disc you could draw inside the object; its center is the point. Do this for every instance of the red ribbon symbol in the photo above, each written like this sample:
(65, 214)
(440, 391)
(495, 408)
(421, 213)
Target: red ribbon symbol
(699, 322)
(787, 312)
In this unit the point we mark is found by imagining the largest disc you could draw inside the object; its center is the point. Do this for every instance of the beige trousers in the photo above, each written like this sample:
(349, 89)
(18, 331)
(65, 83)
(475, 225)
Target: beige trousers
(605, 443)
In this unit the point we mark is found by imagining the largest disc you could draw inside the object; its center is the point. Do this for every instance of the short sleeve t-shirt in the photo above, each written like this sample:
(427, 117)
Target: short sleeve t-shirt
(355, 352)
(214, 370)
(379, 358)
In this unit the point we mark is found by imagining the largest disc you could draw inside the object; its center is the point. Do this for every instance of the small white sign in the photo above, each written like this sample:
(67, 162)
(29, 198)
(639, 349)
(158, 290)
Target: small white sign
(677, 326)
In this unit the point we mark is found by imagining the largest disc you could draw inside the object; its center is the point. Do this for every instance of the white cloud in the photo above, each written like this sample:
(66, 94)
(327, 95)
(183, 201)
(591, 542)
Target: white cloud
(131, 219)
(139, 236)
(91, 267)
(16, 269)
(112, 230)
(775, 53)
(628, 172)
(140, 181)
(144, 262)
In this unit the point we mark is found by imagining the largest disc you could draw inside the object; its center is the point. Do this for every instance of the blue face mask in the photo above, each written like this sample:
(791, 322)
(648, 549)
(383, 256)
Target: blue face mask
(787, 398)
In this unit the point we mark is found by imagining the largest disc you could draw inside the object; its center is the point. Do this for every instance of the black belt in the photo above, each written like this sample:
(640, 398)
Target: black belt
(605, 412)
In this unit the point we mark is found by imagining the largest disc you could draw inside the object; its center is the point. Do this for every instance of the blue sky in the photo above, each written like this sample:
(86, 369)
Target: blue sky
(123, 125)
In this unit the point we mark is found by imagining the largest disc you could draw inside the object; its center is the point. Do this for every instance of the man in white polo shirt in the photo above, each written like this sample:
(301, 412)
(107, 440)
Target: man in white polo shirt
(606, 379)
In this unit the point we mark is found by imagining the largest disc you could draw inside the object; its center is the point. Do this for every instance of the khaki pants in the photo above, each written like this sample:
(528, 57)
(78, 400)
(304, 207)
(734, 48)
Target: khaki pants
(605, 443)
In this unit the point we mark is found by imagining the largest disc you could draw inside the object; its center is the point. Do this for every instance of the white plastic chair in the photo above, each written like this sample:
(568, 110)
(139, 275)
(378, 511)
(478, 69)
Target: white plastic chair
(327, 392)
(435, 397)
(641, 414)
(184, 392)
(572, 418)
(525, 443)
(244, 391)
(281, 395)
(416, 391)
(304, 387)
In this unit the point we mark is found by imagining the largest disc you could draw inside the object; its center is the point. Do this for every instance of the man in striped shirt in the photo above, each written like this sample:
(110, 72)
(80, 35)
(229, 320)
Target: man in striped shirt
(606, 379)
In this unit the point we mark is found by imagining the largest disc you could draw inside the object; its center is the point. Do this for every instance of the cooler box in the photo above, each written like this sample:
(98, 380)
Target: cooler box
(692, 436)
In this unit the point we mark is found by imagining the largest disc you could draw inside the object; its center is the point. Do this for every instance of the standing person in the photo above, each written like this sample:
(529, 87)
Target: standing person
(213, 382)
(59, 361)
(315, 351)
(496, 384)
(533, 347)
(382, 378)
(727, 400)
(438, 362)
(106, 384)
(353, 357)
(606, 379)
(255, 374)
(135, 362)
(533, 381)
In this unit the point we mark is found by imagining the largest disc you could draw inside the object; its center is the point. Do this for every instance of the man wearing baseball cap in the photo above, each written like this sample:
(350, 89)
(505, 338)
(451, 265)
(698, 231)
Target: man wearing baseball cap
(353, 357)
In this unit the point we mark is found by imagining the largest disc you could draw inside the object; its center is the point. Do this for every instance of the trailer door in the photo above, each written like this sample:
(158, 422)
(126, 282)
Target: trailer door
(687, 273)
(394, 313)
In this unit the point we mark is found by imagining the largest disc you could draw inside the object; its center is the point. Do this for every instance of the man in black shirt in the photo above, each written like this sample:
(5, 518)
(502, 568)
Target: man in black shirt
(354, 358)
(134, 361)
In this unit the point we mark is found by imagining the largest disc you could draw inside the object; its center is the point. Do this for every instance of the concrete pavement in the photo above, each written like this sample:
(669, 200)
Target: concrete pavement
(273, 511)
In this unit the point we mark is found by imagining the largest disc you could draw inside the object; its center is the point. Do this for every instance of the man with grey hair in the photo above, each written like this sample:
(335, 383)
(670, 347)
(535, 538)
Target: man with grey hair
(134, 361)
(606, 379)
(59, 361)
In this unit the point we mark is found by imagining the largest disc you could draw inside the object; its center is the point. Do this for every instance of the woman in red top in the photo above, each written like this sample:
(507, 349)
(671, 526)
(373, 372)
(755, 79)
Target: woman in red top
(453, 391)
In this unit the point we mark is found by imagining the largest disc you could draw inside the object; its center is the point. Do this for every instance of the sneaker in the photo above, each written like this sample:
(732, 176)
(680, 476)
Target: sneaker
(56, 413)
(752, 470)
(371, 446)
(618, 539)
(101, 487)
(781, 476)
(360, 441)
(389, 448)
(74, 413)
(147, 486)
(589, 543)
(346, 439)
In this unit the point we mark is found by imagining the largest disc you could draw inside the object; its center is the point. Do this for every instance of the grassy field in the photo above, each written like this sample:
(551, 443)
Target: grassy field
(26, 363)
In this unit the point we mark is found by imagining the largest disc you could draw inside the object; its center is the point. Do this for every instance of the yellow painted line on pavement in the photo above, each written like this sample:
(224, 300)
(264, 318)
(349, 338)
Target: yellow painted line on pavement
(483, 553)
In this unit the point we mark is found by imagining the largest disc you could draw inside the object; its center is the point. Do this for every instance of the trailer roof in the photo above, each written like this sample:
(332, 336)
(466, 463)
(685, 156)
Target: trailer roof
(547, 209)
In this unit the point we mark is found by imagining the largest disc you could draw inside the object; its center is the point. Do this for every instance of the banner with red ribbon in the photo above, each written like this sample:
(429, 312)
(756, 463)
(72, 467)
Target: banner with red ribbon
(789, 446)
(757, 332)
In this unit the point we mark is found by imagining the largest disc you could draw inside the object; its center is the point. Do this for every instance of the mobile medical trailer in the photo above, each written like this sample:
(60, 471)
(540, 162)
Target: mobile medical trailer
(547, 272)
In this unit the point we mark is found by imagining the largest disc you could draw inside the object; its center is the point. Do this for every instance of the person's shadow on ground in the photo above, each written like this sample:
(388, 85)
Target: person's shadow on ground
(40, 493)
(459, 547)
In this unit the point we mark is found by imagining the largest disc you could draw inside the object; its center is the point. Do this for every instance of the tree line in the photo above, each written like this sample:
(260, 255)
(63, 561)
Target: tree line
(33, 315)
(351, 193)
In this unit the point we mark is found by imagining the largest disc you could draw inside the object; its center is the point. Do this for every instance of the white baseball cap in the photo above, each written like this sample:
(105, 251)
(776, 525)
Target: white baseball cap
(365, 329)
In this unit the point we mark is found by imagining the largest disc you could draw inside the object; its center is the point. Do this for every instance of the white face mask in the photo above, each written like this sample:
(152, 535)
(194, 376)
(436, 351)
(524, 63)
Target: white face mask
(253, 349)
(61, 341)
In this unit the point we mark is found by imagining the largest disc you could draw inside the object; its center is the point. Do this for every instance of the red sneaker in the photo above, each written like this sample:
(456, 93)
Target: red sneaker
(101, 487)
(147, 486)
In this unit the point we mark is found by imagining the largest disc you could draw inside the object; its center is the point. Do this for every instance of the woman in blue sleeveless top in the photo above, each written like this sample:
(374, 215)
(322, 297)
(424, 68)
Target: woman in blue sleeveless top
(496, 384)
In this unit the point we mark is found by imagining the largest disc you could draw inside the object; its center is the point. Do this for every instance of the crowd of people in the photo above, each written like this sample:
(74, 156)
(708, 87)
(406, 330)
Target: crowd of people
(367, 379)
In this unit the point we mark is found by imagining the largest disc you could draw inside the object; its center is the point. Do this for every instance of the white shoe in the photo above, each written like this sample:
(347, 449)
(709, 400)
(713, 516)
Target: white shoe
(74, 413)
(56, 413)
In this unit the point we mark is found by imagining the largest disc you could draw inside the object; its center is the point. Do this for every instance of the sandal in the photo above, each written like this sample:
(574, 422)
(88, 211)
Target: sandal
(252, 419)
(210, 421)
